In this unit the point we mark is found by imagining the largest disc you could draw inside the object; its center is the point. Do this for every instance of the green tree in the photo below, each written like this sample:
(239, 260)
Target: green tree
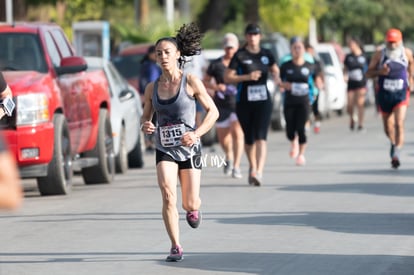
(290, 17)
(366, 19)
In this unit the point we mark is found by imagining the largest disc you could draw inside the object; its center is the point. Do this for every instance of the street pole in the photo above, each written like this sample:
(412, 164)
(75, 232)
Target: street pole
(169, 12)
(313, 35)
(9, 11)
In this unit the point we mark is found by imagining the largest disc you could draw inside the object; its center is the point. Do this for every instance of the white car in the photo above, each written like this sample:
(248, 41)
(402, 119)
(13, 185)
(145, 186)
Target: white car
(126, 112)
(334, 82)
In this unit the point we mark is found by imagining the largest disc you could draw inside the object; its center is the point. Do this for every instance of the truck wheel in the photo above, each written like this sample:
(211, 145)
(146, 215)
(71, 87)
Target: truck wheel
(135, 159)
(104, 171)
(121, 160)
(59, 171)
(209, 138)
(279, 122)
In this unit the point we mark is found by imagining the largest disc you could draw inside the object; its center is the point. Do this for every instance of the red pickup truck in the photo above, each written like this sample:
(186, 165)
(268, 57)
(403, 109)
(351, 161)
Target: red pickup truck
(61, 122)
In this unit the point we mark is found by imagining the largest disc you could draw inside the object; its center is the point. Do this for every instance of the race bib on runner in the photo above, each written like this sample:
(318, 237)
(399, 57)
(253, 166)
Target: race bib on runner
(256, 93)
(393, 85)
(171, 135)
(356, 75)
(299, 89)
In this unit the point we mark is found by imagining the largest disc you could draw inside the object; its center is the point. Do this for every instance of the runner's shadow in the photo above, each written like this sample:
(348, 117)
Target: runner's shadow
(354, 223)
(381, 172)
(299, 264)
(381, 189)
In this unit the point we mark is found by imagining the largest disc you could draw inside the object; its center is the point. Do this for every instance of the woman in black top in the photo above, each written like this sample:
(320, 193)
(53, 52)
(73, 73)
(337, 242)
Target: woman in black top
(229, 131)
(249, 68)
(356, 65)
(298, 77)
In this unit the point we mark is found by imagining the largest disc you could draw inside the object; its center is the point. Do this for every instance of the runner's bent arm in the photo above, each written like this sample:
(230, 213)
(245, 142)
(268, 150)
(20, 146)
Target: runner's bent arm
(146, 125)
(230, 76)
(373, 70)
(200, 93)
(410, 68)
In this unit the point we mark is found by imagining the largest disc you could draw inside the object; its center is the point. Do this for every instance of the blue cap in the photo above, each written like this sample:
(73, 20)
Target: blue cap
(295, 39)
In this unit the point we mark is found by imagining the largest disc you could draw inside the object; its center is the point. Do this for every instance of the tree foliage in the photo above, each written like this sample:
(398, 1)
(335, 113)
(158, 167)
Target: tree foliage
(366, 19)
(337, 19)
(290, 17)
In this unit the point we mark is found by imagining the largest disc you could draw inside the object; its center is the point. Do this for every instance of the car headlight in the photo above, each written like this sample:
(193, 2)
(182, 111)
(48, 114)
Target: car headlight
(32, 109)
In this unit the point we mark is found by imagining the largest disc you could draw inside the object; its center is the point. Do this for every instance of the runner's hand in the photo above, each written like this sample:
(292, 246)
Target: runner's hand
(148, 127)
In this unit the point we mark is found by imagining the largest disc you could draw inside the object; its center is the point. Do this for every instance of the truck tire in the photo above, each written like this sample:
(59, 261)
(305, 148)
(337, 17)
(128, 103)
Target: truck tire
(121, 160)
(135, 158)
(278, 123)
(59, 171)
(104, 170)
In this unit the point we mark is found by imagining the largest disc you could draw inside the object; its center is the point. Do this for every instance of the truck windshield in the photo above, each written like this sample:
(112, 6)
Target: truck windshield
(128, 65)
(21, 52)
(326, 58)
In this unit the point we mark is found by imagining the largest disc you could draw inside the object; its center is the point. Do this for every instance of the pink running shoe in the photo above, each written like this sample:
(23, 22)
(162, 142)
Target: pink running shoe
(176, 254)
(300, 160)
(395, 162)
(194, 218)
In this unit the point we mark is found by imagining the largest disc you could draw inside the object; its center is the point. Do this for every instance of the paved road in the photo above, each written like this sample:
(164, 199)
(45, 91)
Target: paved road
(346, 212)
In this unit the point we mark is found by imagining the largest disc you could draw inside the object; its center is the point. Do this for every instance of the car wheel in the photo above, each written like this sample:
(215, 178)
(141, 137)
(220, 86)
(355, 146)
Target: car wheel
(121, 160)
(278, 123)
(59, 171)
(104, 170)
(135, 158)
(209, 138)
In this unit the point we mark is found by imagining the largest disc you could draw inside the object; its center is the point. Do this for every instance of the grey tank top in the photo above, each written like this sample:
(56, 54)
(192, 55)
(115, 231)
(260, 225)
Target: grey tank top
(174, 117)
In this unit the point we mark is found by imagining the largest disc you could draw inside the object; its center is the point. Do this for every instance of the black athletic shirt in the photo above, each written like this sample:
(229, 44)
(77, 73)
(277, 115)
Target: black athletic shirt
(356, 66)
(225, 101)
(245, 62)
(301, 76)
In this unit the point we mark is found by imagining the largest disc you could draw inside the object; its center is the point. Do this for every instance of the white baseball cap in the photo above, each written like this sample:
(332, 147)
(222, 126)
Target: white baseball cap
(230, 40)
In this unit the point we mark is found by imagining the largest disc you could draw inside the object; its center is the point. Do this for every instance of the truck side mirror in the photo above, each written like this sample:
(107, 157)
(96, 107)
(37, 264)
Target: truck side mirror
(72, 64)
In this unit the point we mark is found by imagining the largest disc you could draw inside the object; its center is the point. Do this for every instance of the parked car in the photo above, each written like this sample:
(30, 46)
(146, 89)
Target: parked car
(279, 46)
(128, 62)
(126, 112)
(61, 122)
(334, 82)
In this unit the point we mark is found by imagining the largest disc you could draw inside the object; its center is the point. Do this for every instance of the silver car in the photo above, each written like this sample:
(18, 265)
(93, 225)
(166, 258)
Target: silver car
(126, 112)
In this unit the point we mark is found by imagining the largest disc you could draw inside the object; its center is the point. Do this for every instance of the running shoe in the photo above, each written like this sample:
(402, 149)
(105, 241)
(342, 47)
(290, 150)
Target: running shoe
(194, 218)
(361, 129)
(352, 125)
(256, 179)
(176, 254)
(236, 173)
(317, 127)
(228, 168)
(300, 160)
(395, 162)
(395, 159)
